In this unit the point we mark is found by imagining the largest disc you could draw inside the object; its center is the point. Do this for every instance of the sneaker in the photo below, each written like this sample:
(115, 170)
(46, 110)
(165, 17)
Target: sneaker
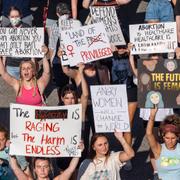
(128, 166)
(155, 176)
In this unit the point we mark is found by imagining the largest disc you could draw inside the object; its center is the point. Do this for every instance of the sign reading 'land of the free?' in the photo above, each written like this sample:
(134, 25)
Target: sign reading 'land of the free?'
(86, 44)
(21, 42)
(108, 15)
(45, 131)
(153, 38)
(159, 83)
(110, 108)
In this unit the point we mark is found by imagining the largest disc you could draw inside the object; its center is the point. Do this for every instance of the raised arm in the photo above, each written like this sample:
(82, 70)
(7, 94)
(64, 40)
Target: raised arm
(155, 146)
(85, 92)
(72, 166)
(6, 76)
(86, 3)
(131, 60)
(121, 2)
(72, 73)
(19, 173)
(128, 152)
(74, 4)
(174, 2)
(44, 79)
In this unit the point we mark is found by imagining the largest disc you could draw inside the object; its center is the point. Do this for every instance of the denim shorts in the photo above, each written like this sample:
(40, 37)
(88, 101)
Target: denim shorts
(50, 22)
(159, 10)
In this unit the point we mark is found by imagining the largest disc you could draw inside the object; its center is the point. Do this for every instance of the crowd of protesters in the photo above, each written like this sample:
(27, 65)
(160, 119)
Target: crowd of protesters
(97, 162)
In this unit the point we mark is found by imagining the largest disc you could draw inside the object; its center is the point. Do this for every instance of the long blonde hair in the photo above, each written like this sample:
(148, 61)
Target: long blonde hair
(34, 79)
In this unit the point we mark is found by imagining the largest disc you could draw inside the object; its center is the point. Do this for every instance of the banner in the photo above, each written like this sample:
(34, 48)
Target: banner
(86, 44)
(153, 38)
(45, 131)
(21, 42)
(110, 108)
(107, 15)
(159, 83)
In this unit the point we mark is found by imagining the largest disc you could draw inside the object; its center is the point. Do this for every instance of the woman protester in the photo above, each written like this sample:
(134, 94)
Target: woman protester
(93, 75)
(167, 155)
(103, 164)
(68, 96)
(42, 168)
(12, 63)
(29, 90)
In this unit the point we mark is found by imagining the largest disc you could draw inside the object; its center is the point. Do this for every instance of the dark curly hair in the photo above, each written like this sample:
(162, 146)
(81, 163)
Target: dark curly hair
(69, 88)
(170, 124)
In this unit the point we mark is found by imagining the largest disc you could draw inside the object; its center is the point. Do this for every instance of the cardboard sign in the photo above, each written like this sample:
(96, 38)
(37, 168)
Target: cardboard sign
(66, 24)
(107, 15)
(110, 108)
(153, 38)
(21, 42)
(45, 131)
(159, 83)
(86, 44)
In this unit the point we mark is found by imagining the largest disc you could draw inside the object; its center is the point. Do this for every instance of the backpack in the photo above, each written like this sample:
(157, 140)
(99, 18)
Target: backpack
(83, 167)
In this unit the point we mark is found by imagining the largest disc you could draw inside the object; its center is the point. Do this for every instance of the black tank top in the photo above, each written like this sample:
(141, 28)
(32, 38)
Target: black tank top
(93, 80)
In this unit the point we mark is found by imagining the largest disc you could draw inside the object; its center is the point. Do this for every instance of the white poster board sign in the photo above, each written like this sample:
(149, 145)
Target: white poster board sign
(110, 108)
(67, 24)
(21, 42)
(86, 44)
(153, 38)
(45, 131)
(107, 15)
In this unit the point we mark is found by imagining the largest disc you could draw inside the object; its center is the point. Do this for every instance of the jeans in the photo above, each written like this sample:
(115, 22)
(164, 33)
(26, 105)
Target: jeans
(159, 10)
(13, 71)
(6, 173)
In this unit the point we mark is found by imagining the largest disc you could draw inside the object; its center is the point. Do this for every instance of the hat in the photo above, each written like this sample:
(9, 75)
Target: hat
(62, 8)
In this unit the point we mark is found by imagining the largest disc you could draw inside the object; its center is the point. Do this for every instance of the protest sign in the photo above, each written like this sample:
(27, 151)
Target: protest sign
(21, 42)
(153, 38)
(110, 108)
(159, 83)
(86, 44)
(66, 24)
(45, 131)
(107, 15)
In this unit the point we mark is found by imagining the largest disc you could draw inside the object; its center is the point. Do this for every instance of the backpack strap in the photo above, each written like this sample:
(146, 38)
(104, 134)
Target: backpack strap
(83, 167)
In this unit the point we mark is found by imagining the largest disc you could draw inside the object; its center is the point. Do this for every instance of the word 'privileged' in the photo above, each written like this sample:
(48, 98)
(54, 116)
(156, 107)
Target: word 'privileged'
(95, 54)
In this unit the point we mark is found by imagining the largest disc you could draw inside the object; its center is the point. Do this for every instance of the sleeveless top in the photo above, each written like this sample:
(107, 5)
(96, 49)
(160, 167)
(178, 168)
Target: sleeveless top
(168, 164)
(90, 80)
(27, 97)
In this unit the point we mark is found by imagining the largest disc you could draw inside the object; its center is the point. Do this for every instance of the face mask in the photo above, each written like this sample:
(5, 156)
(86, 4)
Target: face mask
(15, 21)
